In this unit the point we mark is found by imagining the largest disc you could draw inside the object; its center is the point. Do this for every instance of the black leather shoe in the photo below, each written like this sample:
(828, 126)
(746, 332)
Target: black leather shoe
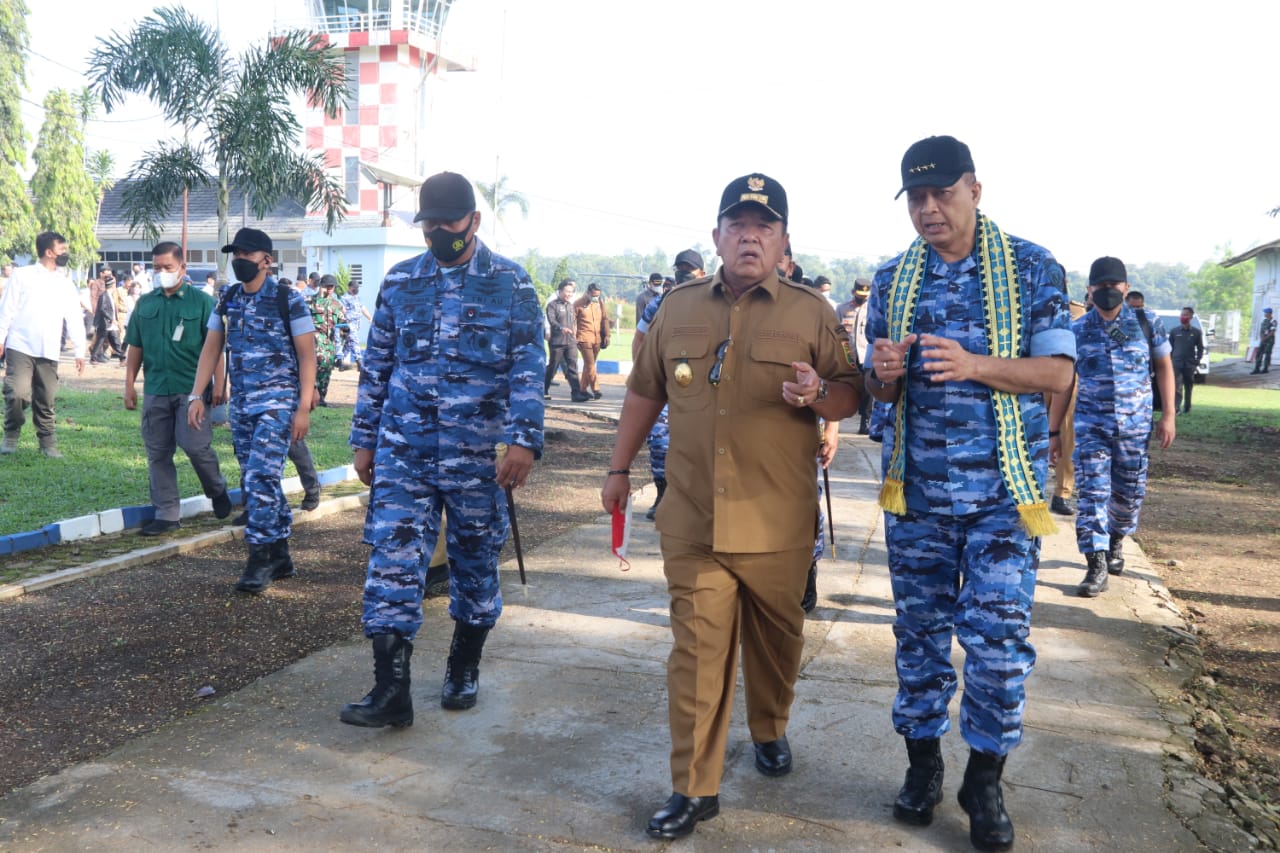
(596, 395)
(241, 520)
(579, 397)
(774, 758)
(1061, 507)
(159, 528)
(310, 502)
(222, 505)
(681, 814)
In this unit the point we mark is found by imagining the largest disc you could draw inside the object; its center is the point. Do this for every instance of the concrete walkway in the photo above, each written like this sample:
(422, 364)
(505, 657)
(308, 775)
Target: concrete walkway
(567, 749)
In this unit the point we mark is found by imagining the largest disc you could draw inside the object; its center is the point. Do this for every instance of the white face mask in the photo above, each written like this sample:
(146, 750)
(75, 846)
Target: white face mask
(165, 280)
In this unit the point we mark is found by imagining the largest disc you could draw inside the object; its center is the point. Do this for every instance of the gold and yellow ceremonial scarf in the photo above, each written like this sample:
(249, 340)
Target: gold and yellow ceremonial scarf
(1002, 304)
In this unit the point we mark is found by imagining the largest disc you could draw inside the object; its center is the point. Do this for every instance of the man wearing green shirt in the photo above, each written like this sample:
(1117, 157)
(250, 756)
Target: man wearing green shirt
(165, 335)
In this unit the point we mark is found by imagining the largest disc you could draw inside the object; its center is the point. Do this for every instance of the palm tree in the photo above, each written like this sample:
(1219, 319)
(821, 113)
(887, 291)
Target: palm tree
(500, 198)
(101, 168)
(238, 127)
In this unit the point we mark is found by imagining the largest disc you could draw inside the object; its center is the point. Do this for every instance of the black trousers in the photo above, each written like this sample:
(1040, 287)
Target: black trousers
(566, 355)
(1183, 379)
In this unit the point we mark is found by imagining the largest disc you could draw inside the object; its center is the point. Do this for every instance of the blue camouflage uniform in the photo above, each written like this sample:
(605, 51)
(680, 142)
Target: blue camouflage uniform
(350, 337)
(659, 442)
(659, 439)
(263, 367)
(454, 364)
(1112, 423)
(959, 559)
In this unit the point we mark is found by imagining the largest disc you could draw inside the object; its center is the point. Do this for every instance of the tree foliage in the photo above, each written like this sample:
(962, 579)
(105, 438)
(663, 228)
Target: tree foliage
(65, 198)
(17, 221)
(238, 127)
(1219, 289)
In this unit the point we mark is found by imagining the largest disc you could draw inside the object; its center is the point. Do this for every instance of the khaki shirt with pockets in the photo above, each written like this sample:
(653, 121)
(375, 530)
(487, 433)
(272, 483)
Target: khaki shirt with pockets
(741, 468)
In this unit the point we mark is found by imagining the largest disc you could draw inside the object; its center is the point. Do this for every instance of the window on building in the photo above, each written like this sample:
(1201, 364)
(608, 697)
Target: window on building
(351, 179)
(352, 111)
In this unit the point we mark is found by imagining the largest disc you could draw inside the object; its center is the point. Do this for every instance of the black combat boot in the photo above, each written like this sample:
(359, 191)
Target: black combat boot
(257, 570)
(1115, 554)
(1095, 577)
(810, 598)
(389, 702)
(281, 561)
(981, 796)
(436, 582)
(661, 483)
(462, 672)
(922, 789)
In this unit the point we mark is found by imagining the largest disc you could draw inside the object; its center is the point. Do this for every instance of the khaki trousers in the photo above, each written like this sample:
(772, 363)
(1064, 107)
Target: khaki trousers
(589, 381)
(1064, 473)
(717, 600)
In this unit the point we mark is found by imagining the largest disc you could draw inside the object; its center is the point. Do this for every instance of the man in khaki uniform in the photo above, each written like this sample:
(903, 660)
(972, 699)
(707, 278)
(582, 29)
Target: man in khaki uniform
(592, 336)
(1064, 469)
(747, 363)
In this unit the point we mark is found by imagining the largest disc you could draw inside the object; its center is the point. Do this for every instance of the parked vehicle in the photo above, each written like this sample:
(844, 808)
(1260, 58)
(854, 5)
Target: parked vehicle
(1171, 320)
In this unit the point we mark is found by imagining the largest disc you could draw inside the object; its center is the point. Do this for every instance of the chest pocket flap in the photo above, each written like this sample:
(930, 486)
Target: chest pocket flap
(771, 366)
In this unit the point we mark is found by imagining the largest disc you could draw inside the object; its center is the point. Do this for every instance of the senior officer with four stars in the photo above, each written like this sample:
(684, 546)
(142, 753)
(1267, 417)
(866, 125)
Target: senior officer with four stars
(1114, 363)
(454, 365)
(747, 363)
(968, 327)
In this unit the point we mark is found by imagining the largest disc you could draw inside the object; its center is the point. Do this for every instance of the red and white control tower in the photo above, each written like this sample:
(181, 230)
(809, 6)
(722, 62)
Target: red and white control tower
(393, 51)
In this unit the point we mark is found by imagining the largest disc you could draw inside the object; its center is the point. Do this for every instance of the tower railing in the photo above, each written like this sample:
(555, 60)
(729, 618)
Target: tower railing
(426, 17)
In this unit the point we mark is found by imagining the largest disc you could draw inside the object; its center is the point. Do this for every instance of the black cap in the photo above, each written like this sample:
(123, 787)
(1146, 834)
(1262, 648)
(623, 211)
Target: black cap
(446, 196)
(1107, 269)
(593, 288)
(690, 257)
(655, 278)
(756, 189)
(249, 240)
(328, 280)
(938, 161)
(862, 287)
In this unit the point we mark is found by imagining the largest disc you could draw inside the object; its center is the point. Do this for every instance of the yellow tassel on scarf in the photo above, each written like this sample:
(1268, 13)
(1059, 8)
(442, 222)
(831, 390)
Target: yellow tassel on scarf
(1036, 519)
(892, 498)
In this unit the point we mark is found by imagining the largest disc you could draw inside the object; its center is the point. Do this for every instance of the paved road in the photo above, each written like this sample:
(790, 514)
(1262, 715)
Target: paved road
(567, 749)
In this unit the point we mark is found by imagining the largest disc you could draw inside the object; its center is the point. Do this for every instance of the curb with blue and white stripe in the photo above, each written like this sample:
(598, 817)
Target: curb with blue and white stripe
(130, 517)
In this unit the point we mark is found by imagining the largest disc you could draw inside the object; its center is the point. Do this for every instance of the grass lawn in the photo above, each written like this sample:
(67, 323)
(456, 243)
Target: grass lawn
(1231, 416)
(104, 464)
(619, 347)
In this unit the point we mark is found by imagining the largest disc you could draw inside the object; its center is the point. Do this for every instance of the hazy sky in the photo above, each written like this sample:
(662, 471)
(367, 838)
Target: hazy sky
(1141, 130)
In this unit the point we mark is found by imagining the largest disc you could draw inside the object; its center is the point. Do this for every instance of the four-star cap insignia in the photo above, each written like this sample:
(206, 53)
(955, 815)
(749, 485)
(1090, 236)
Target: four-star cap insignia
(915, 170)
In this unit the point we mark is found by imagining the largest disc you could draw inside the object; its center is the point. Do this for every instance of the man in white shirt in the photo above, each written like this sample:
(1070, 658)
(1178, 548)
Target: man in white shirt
(142, 277)
(37, 301)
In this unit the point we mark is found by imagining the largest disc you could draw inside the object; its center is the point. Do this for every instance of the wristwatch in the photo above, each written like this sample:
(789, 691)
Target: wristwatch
(822, 391)
(191, 398)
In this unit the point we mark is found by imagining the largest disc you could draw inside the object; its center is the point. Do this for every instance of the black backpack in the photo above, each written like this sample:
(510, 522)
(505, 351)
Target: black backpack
(1145, 323)
(282, 304)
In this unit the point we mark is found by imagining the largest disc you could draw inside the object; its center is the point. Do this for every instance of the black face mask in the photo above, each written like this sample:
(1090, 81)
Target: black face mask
(63, 259)
(446, 245)
(683, 275)
(858, 300)
(1107, 298)
(244, 270)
